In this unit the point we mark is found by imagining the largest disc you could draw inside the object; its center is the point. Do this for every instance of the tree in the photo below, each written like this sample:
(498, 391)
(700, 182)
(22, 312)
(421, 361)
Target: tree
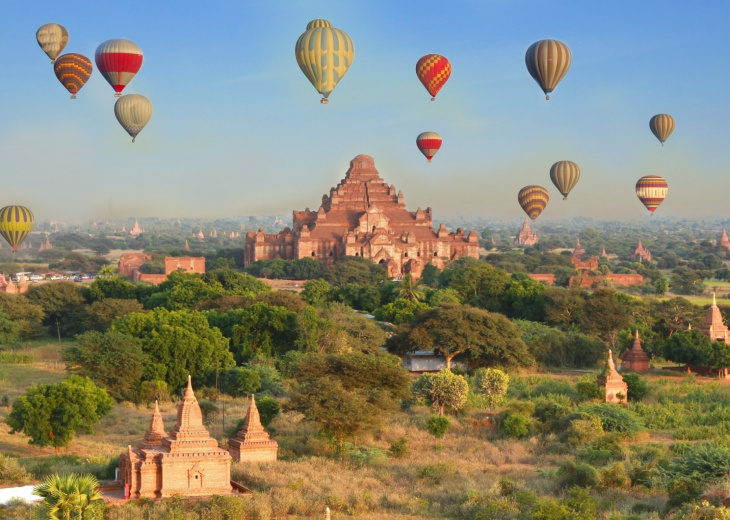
(63, 306)
(113, 360)
(355, 269)
(676, 315)
(52, 414)
(101, 314)
(480, 337)
(263, 330)
(153, 267)
(316, 292)
(479, 284)
(430, 275)
(605, 314)
(177, 344)
(409, 290)
(289, 300)
(688, 347)
(113, 286)
(234, 282)
(523, 298)
(443, 389)
(70, 497)
(26, 316)
(182, 291)
(493, 383)
(399, 311)
(238, 381)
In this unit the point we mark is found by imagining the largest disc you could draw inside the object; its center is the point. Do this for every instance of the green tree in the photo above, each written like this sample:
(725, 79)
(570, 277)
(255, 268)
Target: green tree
(563, 307)
(481, 285)
(690, 347)
(356, 332)
(263, 330)
(177, 344)
(676, 315)
(316, 292)
(153, 267)
(523, 298)
(399, 311)
(493, 383)
(239, 381)
(52, 414)
(355, 269)
(111, 287)
(481, 338)
(63, 304)
(289, 300)
(606, 312)
(182, 291)
(443, 389)
(70, 497)
(430, 275)
(409, 290)
(101, 314)
(27, 316)
(113, 360)
(234, 282)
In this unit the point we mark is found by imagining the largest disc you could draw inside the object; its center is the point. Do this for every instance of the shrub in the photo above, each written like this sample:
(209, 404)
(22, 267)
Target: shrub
(588, 389)
(269, 408)
(555, 387)
(493, 383)
(615, 418)
(366, 455)
(153, 391)
(549, 412)
(549, 509)
(399, 447)
(517, 426)
(572, 473)
(239, 381)
(11, 472)
(581, 504)
(10, 357)
(435, 472)
(615, 476)
(438, 426)
(637, 386)
(583, 429)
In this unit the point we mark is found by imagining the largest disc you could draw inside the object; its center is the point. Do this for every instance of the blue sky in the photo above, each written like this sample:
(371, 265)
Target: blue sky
(238, 130)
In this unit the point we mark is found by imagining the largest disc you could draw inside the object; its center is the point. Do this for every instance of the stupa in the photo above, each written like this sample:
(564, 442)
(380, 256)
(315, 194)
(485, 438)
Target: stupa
(723, 241)
(613, 383)
(635, 359)
(578, 251)
(253, 443)
(187, 462)
(713, 327)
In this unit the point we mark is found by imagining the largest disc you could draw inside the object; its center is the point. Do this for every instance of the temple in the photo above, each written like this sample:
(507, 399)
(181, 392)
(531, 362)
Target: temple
(713, 327)
(253, 443)
(723, 241)
(577, 259)
(130, 263)
(526, 236)
(635, 359)
(136, 230)
(641, 253)
(364, 216)
(187, 462)
(616, 388)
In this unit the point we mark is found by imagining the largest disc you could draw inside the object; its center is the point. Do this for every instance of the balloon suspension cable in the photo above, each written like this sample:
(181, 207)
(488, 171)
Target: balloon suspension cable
(324, 101)
(73, 96)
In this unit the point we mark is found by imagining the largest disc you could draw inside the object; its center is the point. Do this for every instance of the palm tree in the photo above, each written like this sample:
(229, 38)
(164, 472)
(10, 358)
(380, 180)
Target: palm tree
(409, 290)
(70, 497)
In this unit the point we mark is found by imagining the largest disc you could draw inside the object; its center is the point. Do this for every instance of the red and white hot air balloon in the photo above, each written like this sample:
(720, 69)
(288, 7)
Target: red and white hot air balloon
(118, 61)
(429, 143)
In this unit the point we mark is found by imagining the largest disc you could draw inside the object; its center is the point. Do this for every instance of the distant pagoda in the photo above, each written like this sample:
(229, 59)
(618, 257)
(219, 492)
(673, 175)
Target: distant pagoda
(635, 359)
(526, 236)
(614, 384)
(713, 327)
(641, 253)
(723, 242)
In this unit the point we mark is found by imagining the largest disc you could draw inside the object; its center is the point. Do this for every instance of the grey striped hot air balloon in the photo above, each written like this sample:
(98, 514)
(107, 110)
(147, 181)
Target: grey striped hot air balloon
(662, 126)
(565, 175)
(547, 62)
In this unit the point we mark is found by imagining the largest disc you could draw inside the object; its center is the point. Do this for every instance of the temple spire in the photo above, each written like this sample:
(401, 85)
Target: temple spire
(156, 431)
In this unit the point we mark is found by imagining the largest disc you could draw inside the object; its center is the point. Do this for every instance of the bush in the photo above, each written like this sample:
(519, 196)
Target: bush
(588, 389)
(517, 426)
(11, 472)
(555, 387)
(572, 473)
(614, 418)
(10, 357)
(435, 472)
(269, 408)
(637, 387)
(549, 412)
(615, 476)
(438, 426)
(399, 447)
(239, 382)
(583, 429)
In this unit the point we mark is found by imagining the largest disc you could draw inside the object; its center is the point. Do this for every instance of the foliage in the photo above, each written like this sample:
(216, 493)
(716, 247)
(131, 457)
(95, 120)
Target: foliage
(316, 292)
(12, 357)
(101, 314)
(690, 347)
(614, 418)
(399, 311)
(637, 386)
(289, 300)
(239, 381)
(70, 496)
(113, 360)
(51, 414)
(182, 291)
(523, 298)
(23, 317)
(478, 284)
(297, 269)
(516, 425)
(438, 426)
(63, 305)
(268, 408)
(443, 389)
(354, 270)
(399, 447)
(582, 429)
(588, 389)
(493, 383)
(553, 347)
(572, 473)
(111, 287)
(262, 330)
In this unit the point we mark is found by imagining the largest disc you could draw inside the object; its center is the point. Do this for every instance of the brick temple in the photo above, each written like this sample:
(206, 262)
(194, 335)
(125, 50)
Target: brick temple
(640, 253)
(526, 236)
(364, 216)
(635, 359)
(253, 443)
(617, 390)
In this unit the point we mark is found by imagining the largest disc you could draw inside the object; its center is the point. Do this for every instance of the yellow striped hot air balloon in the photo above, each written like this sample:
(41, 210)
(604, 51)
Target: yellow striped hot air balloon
(662, 126)
(15, 224)
(565, 175)
(533, 200)
(651, 190)
(324, 54)
(52, 39)
(547, 62)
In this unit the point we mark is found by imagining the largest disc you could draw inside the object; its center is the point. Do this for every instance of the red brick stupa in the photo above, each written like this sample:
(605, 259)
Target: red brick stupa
(723, 242)
(253, 443)
(635, 359)
(641, 253)
(614, 384)
(578, 251)
(526, 236)
(713, 327)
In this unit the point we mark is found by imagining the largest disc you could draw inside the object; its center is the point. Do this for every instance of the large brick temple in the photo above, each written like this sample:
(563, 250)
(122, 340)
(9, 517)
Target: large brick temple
(364, 216)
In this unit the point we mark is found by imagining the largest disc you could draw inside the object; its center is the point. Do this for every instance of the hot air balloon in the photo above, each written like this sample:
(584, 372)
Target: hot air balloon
(433, 70)
(565, 175)
(15, 224)
(324, 54)
(73, 70)
(662, 126)
(533, 200)
(118, 61)
(547, 62)
(429, 143)
(53, 39)
(651, 190)
(133, 113)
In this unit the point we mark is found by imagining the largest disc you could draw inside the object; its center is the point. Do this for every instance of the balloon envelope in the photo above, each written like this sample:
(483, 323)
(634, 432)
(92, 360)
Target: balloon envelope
(651, 190)
(73, 71)
(429, 143)
(15, 224)
(324, 54)
(133, 113)
(434, 71)
(565, 175)
(662, 126)
(118, 61)
(533, 200)
(52, 39)
(547, 62)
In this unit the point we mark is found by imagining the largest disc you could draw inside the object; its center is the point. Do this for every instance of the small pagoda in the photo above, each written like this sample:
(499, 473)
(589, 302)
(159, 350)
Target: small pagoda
(635, 359)
(713, 327)
(526, 236)
(253, 443)
(723, 241)
(614, 384)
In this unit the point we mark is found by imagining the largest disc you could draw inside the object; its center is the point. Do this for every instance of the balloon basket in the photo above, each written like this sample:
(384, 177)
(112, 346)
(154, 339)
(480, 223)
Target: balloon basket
(118, 94)
(547, 96)
(565, 198)
(73, 96)
(133, 138)
(324, 101)
(429, 160)
(433, 98)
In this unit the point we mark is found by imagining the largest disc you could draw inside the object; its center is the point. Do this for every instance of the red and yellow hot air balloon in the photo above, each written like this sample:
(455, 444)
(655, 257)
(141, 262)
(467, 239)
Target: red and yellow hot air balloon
(651, 190)
(547, 62)
(118, 61)
(429, 143)
(433, 70)
(15, 224)
(52, 39)
(533, 200)
(565, 175)
(662, 126)
(73, 71)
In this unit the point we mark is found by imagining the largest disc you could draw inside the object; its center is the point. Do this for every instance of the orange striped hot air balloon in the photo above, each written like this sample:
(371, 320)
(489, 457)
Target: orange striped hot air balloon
(662, 126)
(651, 190)
(73, 71)
(429, 143)
(533, 200)
(15, 224)
(433, 70)
(565, 175)
(547, 62)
